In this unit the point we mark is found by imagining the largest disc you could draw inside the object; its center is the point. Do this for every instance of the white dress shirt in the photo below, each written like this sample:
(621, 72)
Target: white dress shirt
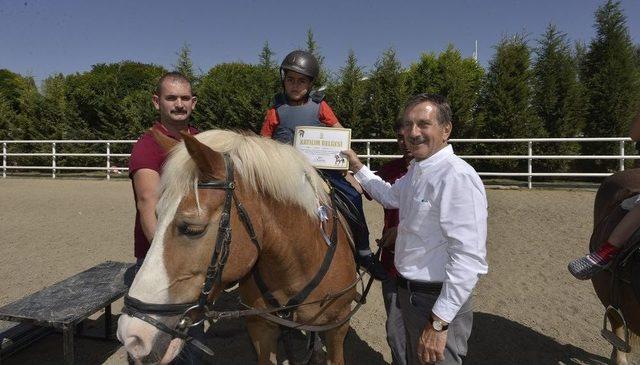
(443, 225)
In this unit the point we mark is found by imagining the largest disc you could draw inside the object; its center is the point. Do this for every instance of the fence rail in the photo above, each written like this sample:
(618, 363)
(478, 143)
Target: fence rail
(109, 169)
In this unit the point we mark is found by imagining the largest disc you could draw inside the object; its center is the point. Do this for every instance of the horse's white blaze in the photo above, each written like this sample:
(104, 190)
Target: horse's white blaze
(150, 285)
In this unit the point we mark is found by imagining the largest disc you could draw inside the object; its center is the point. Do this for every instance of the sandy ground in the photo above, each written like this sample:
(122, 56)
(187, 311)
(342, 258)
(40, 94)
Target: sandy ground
(529, 310)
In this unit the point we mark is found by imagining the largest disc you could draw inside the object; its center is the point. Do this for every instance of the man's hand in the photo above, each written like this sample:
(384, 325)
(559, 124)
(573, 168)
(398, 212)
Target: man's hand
(431, 345)
(354, 162)
(388, 238)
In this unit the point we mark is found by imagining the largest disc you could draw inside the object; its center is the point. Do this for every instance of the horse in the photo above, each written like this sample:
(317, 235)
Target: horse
(614, 286)
(241, 208)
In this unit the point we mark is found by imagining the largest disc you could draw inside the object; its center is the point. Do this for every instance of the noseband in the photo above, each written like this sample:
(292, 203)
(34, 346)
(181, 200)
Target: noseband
(194, 313)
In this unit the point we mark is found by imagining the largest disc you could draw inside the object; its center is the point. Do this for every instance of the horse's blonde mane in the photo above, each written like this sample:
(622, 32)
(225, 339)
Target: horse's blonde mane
(268, 167)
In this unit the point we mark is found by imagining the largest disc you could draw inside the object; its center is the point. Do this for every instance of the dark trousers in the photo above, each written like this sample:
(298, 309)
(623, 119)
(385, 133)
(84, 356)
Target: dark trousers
(357, 222)
(416, 309)
(396, 337)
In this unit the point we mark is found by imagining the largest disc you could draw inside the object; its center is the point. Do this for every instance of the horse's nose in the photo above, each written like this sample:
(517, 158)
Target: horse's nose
(136, 347)
(132, 335)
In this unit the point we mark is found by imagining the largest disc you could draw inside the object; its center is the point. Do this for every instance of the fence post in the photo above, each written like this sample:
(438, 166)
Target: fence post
(108, 160)
(4, 160)
(368, 154)
(621, 155)
(53, 160)
(529, 164)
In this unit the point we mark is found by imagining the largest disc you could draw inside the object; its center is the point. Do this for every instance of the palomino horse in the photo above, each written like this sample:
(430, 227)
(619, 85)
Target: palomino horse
(615, 290)
(240, 208)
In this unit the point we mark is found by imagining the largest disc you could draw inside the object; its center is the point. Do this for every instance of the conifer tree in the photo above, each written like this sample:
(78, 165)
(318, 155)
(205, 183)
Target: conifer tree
(557, 98)
(347, 96)
(184, 64)
(384, 97)
(612, 82)
(506, 105)
(314, 49)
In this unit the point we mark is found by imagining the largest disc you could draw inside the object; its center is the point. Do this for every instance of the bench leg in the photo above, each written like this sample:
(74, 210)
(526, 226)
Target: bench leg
(107, 321)
(67, 344)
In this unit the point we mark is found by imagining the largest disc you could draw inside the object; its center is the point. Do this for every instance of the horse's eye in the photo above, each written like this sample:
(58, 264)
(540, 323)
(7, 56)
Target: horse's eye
(191, 230)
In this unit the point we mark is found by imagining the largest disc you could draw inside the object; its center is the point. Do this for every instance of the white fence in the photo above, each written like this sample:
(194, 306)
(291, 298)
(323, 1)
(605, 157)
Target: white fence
(109, 169)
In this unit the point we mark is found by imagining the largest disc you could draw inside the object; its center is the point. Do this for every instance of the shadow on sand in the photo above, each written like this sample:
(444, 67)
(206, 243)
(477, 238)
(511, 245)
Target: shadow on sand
(496, 341)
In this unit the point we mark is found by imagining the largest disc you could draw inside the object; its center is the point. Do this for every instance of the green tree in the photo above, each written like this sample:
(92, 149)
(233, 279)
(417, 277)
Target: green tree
(314, 49)
(346, 96)
(612, 81)
(7, 120)
(506, 104)
(265, 59)
(184, 64)
(558, 98)
(232, 95)
(456, 78)
(113, 101)
(384, 97)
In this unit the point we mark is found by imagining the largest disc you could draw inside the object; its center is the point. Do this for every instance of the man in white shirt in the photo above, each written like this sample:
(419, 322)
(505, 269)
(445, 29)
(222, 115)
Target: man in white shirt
(441, 239)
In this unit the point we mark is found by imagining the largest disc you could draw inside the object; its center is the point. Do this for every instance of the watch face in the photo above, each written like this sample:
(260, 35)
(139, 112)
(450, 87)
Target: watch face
(437, 325)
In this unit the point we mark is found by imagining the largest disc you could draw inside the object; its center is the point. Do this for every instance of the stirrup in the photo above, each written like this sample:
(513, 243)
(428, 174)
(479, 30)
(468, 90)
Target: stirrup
(612, 338)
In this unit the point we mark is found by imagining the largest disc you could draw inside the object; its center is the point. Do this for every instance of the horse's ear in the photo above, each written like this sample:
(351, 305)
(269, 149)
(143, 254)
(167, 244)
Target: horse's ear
(165, 142)
(209, 162)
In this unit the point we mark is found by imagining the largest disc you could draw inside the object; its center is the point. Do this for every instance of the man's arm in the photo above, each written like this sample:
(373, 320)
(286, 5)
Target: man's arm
(381, 191)
(463, 219)
(145, 184)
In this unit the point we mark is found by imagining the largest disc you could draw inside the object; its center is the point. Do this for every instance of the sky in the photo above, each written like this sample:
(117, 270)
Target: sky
(42, 37)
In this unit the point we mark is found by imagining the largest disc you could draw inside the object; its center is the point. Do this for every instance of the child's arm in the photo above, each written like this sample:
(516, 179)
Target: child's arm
(270, 123)
(634, 132)
(327, 116)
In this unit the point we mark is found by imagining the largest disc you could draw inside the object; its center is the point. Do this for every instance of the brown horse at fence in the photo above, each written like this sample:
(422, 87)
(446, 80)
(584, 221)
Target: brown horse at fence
(233, 205)
(616, 290)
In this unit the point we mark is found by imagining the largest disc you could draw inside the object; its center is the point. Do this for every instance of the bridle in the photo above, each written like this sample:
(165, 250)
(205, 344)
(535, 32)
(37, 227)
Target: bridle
(194, 313)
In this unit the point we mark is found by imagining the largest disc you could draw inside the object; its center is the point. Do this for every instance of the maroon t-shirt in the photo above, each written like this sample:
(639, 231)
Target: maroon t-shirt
(147, 154)
(391, 172)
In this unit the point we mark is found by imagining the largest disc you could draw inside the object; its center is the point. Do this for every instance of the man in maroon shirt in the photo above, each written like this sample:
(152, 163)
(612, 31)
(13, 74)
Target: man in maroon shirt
(390, 172)
(174, 101)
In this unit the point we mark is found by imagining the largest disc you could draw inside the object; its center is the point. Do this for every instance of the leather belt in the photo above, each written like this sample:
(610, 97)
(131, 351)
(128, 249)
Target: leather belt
(419, 287)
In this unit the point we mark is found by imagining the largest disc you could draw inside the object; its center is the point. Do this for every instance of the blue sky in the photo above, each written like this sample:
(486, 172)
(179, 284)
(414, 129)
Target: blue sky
(41, 37)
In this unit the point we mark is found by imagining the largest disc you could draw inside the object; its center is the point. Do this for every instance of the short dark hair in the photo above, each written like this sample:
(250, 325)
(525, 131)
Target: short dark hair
(173, 75)
(444, 113)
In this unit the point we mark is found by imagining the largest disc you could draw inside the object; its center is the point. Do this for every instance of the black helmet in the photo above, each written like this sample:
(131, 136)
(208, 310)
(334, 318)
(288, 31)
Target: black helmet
(301, 62)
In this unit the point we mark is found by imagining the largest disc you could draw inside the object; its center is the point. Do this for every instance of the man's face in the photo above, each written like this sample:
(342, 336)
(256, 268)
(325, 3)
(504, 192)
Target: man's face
(296, 85)
(175, 102)
(423, 135)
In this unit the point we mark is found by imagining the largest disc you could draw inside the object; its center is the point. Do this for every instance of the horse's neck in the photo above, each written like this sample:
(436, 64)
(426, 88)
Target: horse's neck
(293, 246)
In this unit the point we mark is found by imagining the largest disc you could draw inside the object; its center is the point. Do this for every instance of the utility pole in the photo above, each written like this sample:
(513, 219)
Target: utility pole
(475, 53)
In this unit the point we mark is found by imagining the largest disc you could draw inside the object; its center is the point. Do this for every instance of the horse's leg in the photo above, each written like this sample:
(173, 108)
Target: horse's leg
(264, 336)
(334, 340)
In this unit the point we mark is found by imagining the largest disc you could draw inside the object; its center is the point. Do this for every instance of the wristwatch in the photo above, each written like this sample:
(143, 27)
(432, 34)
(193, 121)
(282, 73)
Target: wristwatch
(438, 325)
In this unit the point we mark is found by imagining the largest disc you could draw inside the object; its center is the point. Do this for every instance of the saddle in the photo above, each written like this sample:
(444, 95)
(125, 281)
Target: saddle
(613, 191)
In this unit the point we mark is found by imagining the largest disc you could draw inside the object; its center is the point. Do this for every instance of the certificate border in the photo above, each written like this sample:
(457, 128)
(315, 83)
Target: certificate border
(325, 167)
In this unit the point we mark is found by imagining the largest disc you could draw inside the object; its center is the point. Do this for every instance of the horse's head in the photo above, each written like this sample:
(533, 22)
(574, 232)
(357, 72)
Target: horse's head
(192, 245)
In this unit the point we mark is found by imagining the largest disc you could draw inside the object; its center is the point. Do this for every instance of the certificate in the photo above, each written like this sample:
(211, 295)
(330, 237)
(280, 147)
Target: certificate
(322, 146)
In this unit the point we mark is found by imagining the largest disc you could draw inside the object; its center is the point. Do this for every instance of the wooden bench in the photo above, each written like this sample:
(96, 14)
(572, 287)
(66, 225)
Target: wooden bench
(66, 304)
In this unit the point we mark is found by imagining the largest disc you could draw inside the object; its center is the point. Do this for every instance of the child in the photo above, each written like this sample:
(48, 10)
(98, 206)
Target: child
(586, 267)
(298, 106)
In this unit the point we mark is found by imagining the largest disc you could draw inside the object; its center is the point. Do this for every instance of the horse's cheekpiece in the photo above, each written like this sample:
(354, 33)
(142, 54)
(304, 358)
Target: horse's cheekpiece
(194, 313)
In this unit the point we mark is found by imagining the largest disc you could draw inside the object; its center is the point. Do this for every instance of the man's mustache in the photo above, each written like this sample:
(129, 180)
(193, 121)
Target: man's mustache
(417, 140)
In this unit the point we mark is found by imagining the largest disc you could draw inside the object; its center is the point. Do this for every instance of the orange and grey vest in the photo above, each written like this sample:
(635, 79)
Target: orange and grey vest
(290, 116)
